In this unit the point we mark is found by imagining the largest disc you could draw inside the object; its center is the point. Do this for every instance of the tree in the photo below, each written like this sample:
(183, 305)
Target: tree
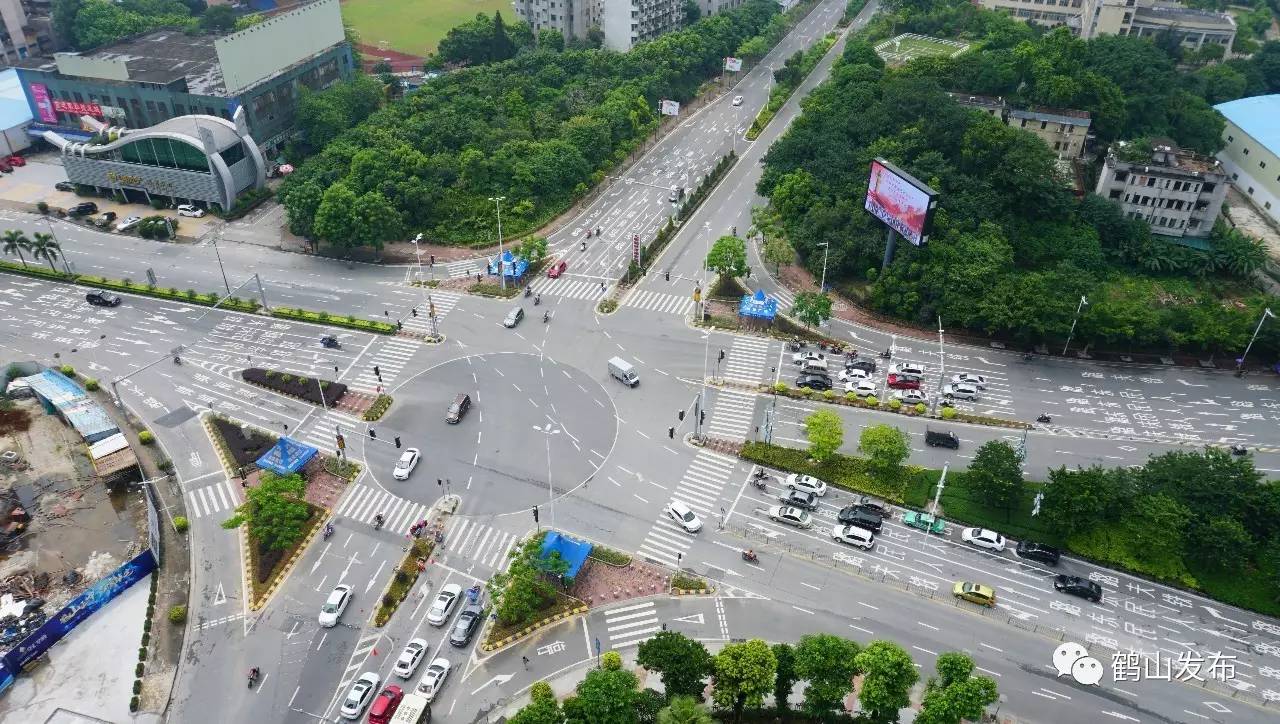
(744, 673)
(785, 678)
(888, 675)
(886, 449)
(64, 18)
(605, 695)
(779, 251)
(691, 12)
(953, 696)
(375, 221)
(682, 662)
(218, 18)
(551, 39)
(45, 247)
(503, 47)
(276, 511)
(532, 249)
(519, 593)
(15, 242)
(812, 308)
(543, 708)
(335, 220)
(684, 710)
(995, 474)
(825, 431)
(728, 257)
(827, 663)
(1221, 544)
(1076, 501)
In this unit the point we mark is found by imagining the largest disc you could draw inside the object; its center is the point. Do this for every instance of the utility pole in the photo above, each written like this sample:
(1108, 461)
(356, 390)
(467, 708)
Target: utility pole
(218, 254)
(497, 203)
(1265, 313)
(942, 367)
(937, 496)
(1083, 303)
(822, 287)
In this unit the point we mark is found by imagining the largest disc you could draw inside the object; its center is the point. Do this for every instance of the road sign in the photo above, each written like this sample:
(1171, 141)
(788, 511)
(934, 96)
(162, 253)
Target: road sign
(635, 248)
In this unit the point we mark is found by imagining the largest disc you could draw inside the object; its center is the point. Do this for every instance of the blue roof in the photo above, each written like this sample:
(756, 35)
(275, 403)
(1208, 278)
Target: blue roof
(14, 109)
(758, 305)
(286, 456)
(1256, 116)
(573, 551)
(73, 404)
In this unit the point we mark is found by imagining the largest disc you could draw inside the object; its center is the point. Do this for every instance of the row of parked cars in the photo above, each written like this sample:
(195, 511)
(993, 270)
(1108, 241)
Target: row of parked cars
(905, 378)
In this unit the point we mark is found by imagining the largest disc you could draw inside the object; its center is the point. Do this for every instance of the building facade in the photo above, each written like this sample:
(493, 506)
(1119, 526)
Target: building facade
(145, 80)
(1143, 18)
(1178, 193)
(202, 160)
(1064, 130)
(1252, 153)
(623, 22)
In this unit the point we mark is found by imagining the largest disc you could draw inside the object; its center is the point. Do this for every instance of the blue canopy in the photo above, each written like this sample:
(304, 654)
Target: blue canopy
(573, 551)
(287, 456)
(512, 265)
(758, 305)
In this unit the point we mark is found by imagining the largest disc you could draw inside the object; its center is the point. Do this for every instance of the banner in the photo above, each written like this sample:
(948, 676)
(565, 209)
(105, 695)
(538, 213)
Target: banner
(733, 65)
(44, 105)
(78, 108)
(669, 108)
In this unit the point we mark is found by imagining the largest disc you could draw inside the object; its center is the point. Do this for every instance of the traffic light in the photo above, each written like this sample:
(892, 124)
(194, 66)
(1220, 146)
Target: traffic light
(671, 433)
(377, 372)
(680, 415)
(535, 514)
(433, 260)
(372, 435)
(721, 356)
(702, 417)
(399, 325)
(397, 442)
(342, 442)
(439, 482)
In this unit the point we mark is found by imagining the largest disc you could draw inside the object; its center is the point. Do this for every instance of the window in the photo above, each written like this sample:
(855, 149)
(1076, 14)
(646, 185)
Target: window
(1262, 164)
(80, 99)
(1231, 139)
(1251, 191)
(1208, 188)
(1115, 194)
(1246, 151)
(1193, 224)
(1151, 180)
(165, 153)
(1236, 177)
(1267, 205)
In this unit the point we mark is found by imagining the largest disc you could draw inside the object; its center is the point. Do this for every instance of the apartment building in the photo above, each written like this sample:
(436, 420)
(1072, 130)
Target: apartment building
(21, 33)
(624, 22)
(1178, 193)
(1252, 154)
(1142, 18)
(1064, 130)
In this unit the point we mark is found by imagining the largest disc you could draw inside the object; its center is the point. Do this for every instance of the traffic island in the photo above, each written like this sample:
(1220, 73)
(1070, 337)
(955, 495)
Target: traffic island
(307, 389)
(687, 584)
(411, 566)
(377, 408)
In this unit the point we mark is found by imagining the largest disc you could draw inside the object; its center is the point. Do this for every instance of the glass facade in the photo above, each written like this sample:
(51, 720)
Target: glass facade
(165, 153)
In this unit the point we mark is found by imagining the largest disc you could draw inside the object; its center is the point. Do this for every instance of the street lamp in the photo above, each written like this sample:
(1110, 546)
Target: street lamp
(942, 367)
(1083, 303)
(218, 254)
(706, 348)
(1265, 313)
(826, 246)
(497, 203)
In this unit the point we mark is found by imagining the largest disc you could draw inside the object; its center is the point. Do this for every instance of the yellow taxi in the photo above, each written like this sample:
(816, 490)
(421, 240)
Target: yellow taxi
(975, 593)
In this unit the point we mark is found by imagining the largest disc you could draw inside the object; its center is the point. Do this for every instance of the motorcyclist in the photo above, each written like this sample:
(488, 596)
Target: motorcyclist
(177, 360)
(378, 520)
(597, 231)
(328, 529)
(537, 299)
(735, 231)
(546, 316)
(584, 246)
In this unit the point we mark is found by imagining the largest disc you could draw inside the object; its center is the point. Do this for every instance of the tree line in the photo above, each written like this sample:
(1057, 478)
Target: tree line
(88, 24)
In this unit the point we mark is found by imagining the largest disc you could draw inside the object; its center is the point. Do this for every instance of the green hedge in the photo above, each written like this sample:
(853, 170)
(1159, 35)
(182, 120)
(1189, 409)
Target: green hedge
(490, 289)
(189, 296)
(34, 270)
(378, 408)
(782, 91)
(842, 471)
(961, 505)
(349, 321)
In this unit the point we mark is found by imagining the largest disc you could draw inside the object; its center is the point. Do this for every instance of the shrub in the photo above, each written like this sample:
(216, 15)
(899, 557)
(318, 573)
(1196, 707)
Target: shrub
(157, 204)
(43, 207)
(611, 661)
(146, 638)
(782, 387)
(142, 653)
(828, 394)
(920, 408)
(173, 291)
(948, 413)
(133, 704)
(851, 396)
(895, 403)
(67, 370)
(91, 384)
(872, 401)
(146, 623)
(607, 306)
(388, 600)
(138, 669)
(178, 614)
(137, 687)
(191, 293)
(146, 437)
(286, 377)
(181, 524)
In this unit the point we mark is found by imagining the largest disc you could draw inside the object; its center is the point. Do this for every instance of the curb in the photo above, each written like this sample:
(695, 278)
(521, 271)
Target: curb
(557, 618)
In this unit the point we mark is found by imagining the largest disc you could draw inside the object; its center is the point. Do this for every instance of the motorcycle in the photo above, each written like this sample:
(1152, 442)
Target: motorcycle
(253, 676)
(597, 231)
(750, 557)
(546, 317)
(537, 300)
(852, 354)
(735, 231)
(1045, 419)
(1239, 449)
(588, 233)
(378, 520)
(760, 485)
(328, 531)
(330, 341)
(177, 360)
(796, 344)
(584, 246)
(759, 474)
(887, 354)
(528, 291)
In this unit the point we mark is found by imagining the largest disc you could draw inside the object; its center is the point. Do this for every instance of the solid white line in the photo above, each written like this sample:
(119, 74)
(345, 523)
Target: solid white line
(803, 610)
(863, 630)
(610, 612)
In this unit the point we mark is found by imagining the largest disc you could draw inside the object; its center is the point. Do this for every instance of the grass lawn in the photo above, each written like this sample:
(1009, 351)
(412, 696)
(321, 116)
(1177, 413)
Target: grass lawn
(415, 26)
(910, 45)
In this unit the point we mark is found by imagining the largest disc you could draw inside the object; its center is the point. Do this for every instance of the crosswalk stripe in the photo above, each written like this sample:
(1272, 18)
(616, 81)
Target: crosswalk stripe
(483, 542)
(624, 609)
(220, 489)
(646, 620)
(642, 635)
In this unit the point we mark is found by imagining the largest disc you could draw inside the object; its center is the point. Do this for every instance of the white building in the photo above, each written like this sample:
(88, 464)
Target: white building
(1178, 193)
(1252, 154)
(623, 22)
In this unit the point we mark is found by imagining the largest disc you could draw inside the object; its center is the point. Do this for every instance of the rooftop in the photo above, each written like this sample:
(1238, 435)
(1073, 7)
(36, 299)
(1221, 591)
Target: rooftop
(1256, 117)
(161, 56)
(1057, 115)
(1165, 14)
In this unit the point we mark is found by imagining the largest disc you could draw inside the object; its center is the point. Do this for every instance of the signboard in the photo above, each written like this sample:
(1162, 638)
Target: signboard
(112, 112)
(44, 104)
(899, 200)
(733, 65)
(635, 248)
(77, 108)
(669, 108)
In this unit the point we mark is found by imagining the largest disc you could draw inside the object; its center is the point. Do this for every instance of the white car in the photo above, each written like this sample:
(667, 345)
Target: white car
(737, 100)
(684, 516)
(334, 605)
(407, 462)
(910, 397)
(189, 210)
(129, 223)
(431, 682)
(362, 692)
(852, 375)
(807, 483)
(443, 604)
(907, 368)
(791, 515)
(410, 658)
(800, 358)
(960, 392)
(964, 378)
(861, 388)
(983, 538)
(854, 536)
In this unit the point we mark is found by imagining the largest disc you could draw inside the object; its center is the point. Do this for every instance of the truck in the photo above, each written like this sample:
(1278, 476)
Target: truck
(414, 709)
(624, 372)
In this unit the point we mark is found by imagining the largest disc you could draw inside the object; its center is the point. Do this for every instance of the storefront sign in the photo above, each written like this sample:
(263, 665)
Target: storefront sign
(112, 112)
(44, 105)
(77, 108)
(124, 179)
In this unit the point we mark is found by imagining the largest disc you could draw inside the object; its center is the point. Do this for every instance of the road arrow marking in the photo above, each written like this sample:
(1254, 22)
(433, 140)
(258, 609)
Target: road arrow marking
(1214, 612)
(498, 680)
(220, 597)
(727, 571)
(695, 618)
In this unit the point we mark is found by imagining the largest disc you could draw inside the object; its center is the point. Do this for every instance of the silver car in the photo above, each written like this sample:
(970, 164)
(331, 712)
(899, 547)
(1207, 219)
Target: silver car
(443, 604)
(791, 515)
(513, 317)
(362, 692)
(960, 391)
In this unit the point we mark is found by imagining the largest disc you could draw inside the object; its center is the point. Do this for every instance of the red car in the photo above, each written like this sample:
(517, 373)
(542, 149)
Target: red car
(384, 707)
(16, 161)
(557, 269)
(904, 382)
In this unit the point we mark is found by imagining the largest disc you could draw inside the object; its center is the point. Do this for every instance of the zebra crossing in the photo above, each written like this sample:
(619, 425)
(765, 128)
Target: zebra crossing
(444, 303)
(733, 415)
(700, 489)
(211, 499)
(632, 624)
(659, 302)
(463, 268)
(392, 356)
(747, 360)
(322, 427)
(366, 501)
(481, 543)
(569, 288)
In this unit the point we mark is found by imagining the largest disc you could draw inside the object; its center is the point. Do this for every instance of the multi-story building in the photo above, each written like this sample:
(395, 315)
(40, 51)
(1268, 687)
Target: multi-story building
(1252, 154)
(1178, 193)
(20, 35)
(145, 80)
(1064, 130)
(1143, 18)
(623, 22)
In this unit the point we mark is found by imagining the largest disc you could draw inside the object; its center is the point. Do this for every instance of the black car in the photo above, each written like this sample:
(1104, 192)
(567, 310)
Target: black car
(814, 382)
(872, 505)
(83, 209)
(65, 186)
(1077, 586)
(460, 405)
(1038, 552)
(102, 299)
(800, 499)
(468, 621)
(867, 365)
(941, 438)
(855, 515)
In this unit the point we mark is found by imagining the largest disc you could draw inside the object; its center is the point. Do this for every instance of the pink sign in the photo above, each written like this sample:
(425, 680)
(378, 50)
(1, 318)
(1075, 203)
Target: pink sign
(44, 104)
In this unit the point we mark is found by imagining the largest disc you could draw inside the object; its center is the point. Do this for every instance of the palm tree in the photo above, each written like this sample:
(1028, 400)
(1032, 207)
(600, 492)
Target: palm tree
(684, 710)
(15, 242)
(44, 247)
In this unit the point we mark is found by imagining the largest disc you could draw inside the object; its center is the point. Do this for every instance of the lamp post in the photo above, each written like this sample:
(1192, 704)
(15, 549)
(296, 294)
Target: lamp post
(497, 203)
(1265, 313)
(706, 347)
(826, 246)
(1083, 303)
(942, 367)
(937, 496)
(218, 254)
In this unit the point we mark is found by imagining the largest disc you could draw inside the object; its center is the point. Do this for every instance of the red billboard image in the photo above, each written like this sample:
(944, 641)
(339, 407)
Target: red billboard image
(78, 108)
(900, 201)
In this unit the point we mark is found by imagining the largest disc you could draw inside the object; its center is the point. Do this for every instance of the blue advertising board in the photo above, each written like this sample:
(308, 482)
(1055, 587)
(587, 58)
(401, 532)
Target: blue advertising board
(93, 599)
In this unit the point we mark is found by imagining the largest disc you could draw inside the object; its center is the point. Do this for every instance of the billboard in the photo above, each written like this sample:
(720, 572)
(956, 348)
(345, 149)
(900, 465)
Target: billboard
(77, 108)
(669, 108)
(733, 65)
(44, 104)
(899, 200)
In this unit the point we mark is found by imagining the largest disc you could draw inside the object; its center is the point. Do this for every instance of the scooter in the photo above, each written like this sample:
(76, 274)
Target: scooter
(760, 485)
(584, 246)
(1239, 449)
(1045, 419)
(750, 557)
(328, 531)
(588, 233)
(253, 676)
(546, 317)
(887, 354)
(528, 291)
(378, 521)
(177, 360)
(537, 300)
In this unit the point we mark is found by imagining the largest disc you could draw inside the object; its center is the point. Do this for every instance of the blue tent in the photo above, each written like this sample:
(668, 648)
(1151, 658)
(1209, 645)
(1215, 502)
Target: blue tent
(512, 266)
(574, 552)
(286, 456)
(758, 305)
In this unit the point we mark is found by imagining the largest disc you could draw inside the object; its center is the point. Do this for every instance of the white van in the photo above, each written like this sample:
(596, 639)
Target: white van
(413, 709)
(624, 372)
(814, 365)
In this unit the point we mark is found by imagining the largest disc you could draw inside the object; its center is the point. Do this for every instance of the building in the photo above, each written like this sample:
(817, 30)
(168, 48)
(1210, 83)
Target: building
(20, 36)
(15, 116)
(1142, 18)
(146, 80)
(202, 160)
(1252, 154)
(623, 22)
(1178, 193)
(1064, 130)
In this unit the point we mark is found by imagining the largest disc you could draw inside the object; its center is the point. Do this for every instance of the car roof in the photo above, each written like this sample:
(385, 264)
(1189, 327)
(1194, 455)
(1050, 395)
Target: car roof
(453, 588)
(407, 454)
(338, 592)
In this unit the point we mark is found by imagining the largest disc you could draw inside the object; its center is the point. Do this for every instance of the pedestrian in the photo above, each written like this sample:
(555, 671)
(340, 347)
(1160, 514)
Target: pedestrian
(602, 285)
(525, 659)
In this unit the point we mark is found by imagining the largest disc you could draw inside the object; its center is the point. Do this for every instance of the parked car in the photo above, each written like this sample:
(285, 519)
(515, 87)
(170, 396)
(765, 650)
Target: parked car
(907, 368)
(434, 678)
(854, 515)
(683, 515)
(983, 538)
(854, 536)
(975, 593)
(384, 707)
(460, 405)
(814, 366)
(1038, 552)
(557, 268)
(407, 462)
(868, 365)
(970, 379)
(1077, 586)
(513, 317)
(64, 186)
(361, 693)
(444, 603)
(808, 483)
(128, 223)
(941, 438)
(814, 382)
(960, 391)
(903, 382)
(790, 515)
(853, 375)
(927, 522)
(189, 210)
(737, 100)
(910, 397)
(875, 506)
(861, 388)
(411, 657)
(84, 208)
(468, 622)
(103, 299)
(16, 161)
(799, 499)
(333, 606)
(800, 358)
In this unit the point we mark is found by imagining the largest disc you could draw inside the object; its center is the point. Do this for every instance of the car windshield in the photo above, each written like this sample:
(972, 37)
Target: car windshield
(687, 516)
(329, 607)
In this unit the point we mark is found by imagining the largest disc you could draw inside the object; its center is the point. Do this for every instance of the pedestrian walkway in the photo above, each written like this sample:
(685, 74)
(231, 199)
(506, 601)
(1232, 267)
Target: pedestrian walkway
(464, 268)
(748, 360)
(659, 302)
(481, 543)
(630, 625)
(365, 501)
(321, 429)
(214, 498)
(569, 288)
(444, 303)
(699, 488)
(733, 415)
(391, 358)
